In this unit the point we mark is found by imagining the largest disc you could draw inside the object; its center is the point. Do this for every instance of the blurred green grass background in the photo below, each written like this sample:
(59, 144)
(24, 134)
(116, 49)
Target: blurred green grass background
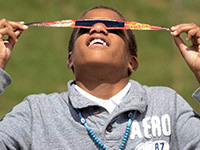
(38, 62)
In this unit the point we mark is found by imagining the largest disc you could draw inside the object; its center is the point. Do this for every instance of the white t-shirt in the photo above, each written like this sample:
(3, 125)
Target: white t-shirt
(109, 104)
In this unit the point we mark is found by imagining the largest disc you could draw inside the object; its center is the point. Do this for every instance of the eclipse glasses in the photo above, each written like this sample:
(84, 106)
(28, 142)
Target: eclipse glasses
(108, 24)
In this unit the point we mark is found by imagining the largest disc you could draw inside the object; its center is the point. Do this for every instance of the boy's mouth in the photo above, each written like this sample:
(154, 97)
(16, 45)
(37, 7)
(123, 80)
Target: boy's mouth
(98, 41)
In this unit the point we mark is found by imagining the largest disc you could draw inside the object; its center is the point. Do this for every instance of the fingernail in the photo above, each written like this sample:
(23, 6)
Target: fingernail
(21, 22)
(25, 26)
(173, 28)
(174, 32)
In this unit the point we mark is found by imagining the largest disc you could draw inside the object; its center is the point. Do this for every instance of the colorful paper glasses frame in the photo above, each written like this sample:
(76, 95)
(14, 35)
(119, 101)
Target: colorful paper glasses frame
(108, 24)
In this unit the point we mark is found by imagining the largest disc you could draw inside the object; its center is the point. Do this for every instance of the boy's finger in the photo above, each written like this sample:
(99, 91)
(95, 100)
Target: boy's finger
(181, 45)
(9, 32)
(18, 25)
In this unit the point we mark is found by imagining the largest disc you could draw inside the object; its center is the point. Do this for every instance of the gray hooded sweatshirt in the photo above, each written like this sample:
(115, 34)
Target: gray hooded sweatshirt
(162, 120)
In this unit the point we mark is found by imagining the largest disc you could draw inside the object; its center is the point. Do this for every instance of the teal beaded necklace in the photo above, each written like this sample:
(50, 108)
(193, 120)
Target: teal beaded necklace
(125, 138)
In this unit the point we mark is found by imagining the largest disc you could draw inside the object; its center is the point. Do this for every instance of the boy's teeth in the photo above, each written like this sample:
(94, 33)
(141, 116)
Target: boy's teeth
(97, 41)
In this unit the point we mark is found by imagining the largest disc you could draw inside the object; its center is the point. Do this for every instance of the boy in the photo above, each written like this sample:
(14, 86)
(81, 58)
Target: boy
(102, 108)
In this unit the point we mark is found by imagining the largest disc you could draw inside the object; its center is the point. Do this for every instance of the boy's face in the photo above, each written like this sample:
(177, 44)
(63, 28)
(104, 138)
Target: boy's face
(100, 47)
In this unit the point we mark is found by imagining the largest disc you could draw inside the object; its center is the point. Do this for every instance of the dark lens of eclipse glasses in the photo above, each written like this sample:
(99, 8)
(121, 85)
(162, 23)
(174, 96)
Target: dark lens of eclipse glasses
(90, 23)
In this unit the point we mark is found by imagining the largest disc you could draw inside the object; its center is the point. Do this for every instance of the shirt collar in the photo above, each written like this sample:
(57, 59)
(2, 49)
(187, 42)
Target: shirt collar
(135, 100)
(109, 104)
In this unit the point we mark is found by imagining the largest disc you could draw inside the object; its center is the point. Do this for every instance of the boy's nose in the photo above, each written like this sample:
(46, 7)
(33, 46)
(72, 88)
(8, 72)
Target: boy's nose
(99, 28)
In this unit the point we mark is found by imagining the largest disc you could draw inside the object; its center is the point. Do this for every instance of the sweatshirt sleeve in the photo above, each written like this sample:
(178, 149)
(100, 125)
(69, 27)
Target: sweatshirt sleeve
(188, 125)
(15, 128)
(5, 80)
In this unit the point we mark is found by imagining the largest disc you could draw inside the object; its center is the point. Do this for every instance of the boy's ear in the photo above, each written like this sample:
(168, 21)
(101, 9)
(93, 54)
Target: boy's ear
(69, 61)
(133, 64)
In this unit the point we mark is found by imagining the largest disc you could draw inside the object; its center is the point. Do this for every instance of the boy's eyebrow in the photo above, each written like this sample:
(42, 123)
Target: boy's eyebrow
(88, 23)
